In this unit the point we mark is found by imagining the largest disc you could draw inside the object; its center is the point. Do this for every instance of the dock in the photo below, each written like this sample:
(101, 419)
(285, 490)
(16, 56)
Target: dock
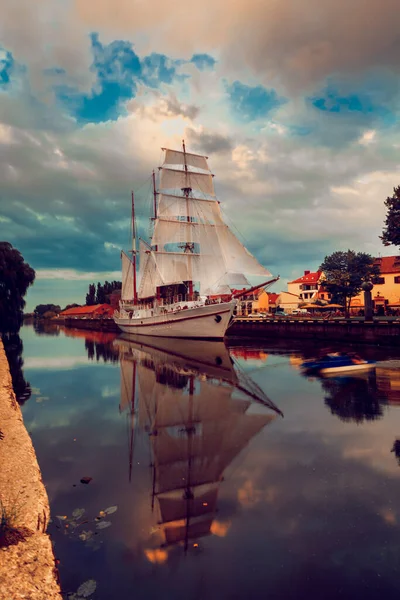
(354, 331)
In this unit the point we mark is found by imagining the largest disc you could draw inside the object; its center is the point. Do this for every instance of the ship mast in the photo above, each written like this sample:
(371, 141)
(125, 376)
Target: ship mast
(190, 431)
(134, 249)
(188, 245)
(154, 194)
(132, 427)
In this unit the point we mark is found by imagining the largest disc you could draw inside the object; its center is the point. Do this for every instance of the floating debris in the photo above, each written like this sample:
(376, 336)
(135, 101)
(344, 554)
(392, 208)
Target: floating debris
(86, 535)
(110, 510)
(86, 589)
(103, 525)
(86, 479)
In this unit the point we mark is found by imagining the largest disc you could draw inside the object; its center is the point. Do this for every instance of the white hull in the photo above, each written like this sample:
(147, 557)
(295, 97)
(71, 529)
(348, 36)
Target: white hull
(360, 367)
(209, 322)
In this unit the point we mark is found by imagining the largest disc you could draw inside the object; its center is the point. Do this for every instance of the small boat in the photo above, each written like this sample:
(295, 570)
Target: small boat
(337, 362)
(193, 263)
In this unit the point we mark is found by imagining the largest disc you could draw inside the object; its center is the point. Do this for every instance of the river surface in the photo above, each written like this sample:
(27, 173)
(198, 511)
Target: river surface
(215, 473)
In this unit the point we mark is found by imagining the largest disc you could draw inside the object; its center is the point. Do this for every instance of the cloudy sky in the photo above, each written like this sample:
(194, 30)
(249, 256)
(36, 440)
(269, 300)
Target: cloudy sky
(296, 102)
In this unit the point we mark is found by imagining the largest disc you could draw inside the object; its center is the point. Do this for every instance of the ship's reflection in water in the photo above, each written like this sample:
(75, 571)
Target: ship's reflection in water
(199, 413)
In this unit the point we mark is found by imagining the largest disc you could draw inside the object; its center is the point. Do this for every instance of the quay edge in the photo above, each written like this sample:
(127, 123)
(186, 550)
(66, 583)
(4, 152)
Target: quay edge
(27, 569)
(385, 333)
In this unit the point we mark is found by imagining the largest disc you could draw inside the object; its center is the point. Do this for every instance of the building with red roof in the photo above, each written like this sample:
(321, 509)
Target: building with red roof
(309, 287)
(88, 312)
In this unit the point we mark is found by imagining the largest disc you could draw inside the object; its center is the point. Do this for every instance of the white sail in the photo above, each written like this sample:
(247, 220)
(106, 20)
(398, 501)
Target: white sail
(127, 277)
(149, 275)
(176, 157)
(237, 258)
(190, 240)
(198, 210)
(178, 179)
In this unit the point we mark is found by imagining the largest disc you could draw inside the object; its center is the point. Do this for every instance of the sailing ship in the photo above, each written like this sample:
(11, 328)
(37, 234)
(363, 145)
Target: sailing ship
(199, 413)
(188, 271)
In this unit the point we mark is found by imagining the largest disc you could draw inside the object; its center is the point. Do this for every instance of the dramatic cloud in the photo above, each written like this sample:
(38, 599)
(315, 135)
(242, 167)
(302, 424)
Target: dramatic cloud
(295, 103)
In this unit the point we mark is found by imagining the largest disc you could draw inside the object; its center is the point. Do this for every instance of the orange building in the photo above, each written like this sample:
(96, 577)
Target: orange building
(386, 291)
(88, 312)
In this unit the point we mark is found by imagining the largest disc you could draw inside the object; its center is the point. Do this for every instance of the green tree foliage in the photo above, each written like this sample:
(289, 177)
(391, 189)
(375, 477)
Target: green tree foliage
(345, 273)
(91, 295)
(101, 294)
(391, 230)
(71, 306)
(15, 278)
(41, 310)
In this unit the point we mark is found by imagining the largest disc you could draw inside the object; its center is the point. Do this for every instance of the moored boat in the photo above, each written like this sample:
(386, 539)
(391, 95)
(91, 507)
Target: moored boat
(192, 263)
(337, 362)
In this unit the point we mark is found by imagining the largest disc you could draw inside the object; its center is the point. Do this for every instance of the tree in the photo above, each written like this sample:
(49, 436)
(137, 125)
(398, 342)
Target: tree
(41, 310)
(100, 296)
(91, 295)
(345, 272)
(391, 230)
(15, 278)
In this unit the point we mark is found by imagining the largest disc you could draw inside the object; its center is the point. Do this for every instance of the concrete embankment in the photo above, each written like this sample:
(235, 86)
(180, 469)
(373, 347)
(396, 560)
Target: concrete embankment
(27, 566)
(385, 333)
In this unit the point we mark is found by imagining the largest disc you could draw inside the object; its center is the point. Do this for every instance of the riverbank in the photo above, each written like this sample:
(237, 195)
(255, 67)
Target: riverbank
(379, 332)
(27, 564)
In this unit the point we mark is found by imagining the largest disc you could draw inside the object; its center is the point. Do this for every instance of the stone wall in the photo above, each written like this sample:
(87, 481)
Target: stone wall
(27, 565)
(385, 333)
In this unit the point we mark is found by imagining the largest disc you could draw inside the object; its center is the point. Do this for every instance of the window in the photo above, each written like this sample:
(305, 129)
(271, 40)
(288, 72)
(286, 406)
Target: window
(397, 279)
(322, 296)
(379, 281)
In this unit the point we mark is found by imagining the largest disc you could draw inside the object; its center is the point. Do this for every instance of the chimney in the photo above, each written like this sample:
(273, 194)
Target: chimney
(306, 272)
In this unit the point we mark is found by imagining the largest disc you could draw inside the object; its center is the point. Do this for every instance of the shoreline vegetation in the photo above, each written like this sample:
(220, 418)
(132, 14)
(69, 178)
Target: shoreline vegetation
(27, 563)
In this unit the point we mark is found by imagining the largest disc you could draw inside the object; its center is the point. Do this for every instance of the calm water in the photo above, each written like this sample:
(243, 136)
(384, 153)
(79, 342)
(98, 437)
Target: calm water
(198, 490)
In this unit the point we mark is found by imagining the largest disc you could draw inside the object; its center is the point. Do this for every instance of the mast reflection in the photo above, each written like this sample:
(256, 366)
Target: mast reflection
(200, 413)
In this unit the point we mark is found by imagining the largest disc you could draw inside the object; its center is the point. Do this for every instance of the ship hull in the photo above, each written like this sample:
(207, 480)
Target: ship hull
(204, 322)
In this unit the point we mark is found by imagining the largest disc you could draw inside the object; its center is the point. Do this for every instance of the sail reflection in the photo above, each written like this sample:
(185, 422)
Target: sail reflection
(199, 412)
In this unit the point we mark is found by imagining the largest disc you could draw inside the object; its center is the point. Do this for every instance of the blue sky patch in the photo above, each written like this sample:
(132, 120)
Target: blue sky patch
(368, 103)
(6, 67)
(203, 61)
(251, 103)
(157, 69)
(118, 69)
